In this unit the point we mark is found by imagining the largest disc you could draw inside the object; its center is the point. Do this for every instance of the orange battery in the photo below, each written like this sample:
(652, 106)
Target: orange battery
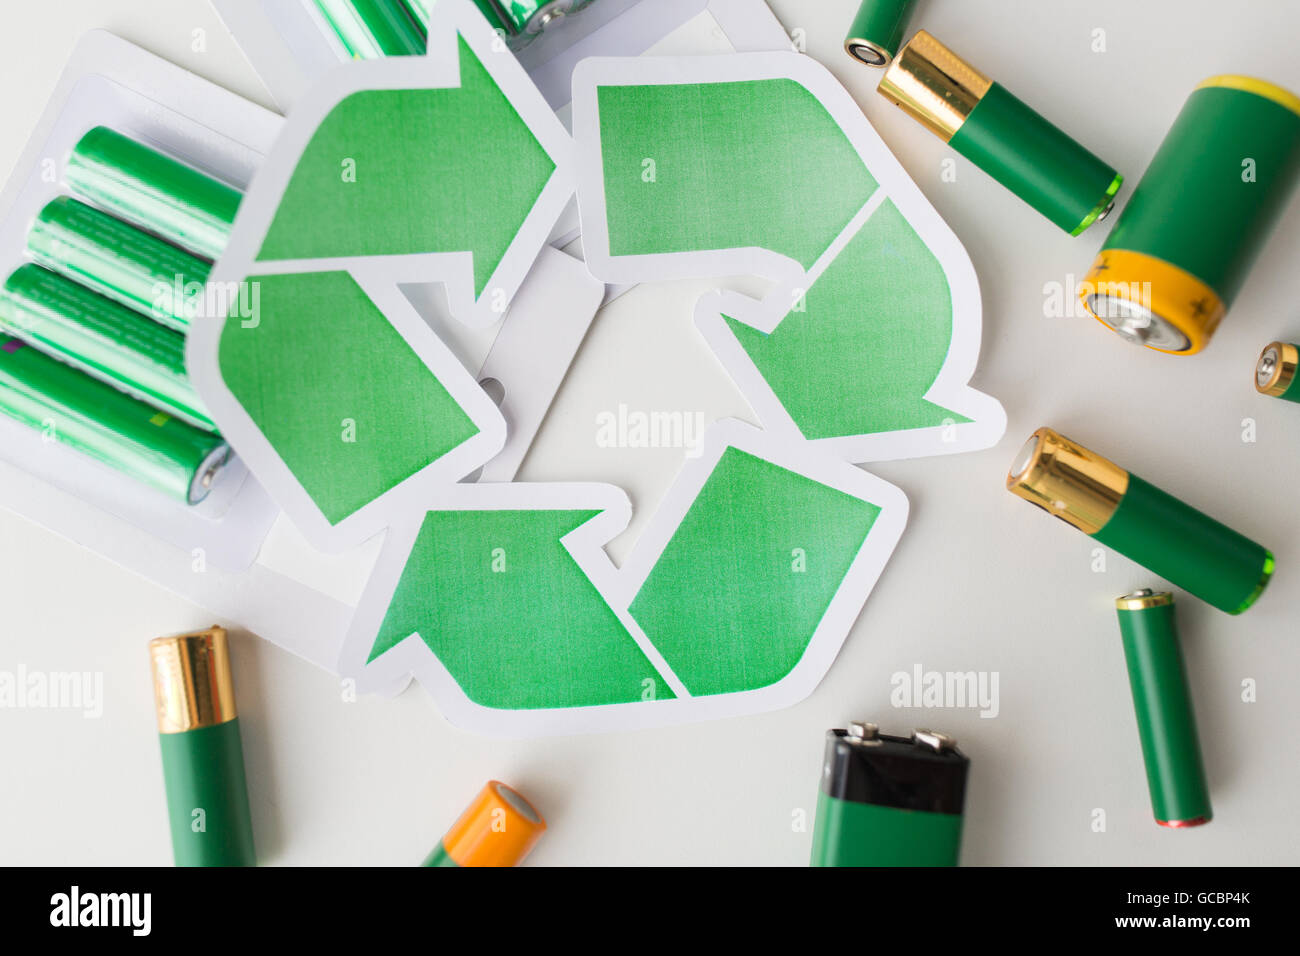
(499, 828)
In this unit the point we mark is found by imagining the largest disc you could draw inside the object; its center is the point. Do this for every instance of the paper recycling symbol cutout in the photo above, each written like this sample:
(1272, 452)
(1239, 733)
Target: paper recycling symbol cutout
(500, 598)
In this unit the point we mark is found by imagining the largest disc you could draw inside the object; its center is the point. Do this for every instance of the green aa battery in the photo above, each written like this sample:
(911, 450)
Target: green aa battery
(1275, 372)
(68, 406)
(876, 32)
(369, 29)
(520, 21)
(105, 340)
(889, 801)
(202, 756)
(119, 261)
(1185, 243)
(1141, 522)
(1001, 135)
(153, 191)
(1180, 797)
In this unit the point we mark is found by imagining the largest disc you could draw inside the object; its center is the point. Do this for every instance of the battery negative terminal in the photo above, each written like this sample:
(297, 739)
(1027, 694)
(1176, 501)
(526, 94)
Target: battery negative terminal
(863, 732)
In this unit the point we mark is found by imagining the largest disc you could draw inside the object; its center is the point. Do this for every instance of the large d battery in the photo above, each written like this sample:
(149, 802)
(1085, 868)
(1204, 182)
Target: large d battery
(889, 801)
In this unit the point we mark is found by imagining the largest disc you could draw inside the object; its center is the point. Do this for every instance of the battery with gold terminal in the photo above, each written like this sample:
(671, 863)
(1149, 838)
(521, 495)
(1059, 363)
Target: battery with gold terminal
(499, 828)
(202, 757)
(1000, 134)
(889, 801)
(1180, 796)
(1205, 558)
(1275, 372)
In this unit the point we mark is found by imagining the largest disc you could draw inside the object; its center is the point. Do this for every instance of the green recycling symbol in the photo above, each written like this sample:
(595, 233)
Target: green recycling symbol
(500, 598)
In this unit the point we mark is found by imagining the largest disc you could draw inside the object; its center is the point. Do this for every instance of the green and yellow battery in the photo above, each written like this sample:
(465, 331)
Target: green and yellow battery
(202, 756)
(119, 261)
(105, 340)
(153, 191)
(499, 828)
(1141, 522)
(67, 406)
(889, 801)
(369, 29)
(1275, 372)
(1000, 134)
(1162, 700)
(520, 22)
(1184, 245)
(877, 31)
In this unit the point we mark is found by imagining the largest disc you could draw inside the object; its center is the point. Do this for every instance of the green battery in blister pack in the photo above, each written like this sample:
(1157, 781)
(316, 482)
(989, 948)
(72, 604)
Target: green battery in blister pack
(519, 21)
(369, 29)
(153, 191)
(119, 261)
(105, 340)
(66, 405)
(1162, 700)
(889, 801)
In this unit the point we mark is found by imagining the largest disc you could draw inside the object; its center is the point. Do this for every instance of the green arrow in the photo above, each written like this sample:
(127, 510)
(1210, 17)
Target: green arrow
(867, 342)
(726, 166)
(511, 615)
(737, 594)
(394, 172)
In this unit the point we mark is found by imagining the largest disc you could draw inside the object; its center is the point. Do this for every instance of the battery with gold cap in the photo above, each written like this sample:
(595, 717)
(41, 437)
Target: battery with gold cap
(1183, 246)
(1162, 701)
(1207, 559)
(1275, 372)
(1000, 134)
(202, 757)
(499, 828)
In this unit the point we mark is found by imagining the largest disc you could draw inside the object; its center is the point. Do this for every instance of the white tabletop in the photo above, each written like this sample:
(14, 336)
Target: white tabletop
(981, 581)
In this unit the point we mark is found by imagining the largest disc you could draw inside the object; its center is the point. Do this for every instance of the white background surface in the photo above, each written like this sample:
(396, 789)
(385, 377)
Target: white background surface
(981, 580)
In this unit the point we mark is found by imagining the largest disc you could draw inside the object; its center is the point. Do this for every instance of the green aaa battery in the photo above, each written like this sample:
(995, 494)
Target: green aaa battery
(1205, 207)
(1180, 797)
(202, 756)
(876, 32)
(1275, 372)
(369, 29)
(519, 21)
(119, 261)
(68, 406)
(889, 801)
(105, 340)
(153, 191)
(1000, 134)
(1141, 522)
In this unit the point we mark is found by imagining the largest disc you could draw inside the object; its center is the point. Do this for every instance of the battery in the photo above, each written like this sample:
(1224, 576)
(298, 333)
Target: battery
(119, 261)
(1141, 522)
(877, 31)
(105, 340)
(68, 406)
(202, 754)
(369, 29)
(1184, 245)
(152, 191)
(519, 21)
(1275, 372)
(1000, 134)
(1180, 796)
(499, 828)
(889, 801)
